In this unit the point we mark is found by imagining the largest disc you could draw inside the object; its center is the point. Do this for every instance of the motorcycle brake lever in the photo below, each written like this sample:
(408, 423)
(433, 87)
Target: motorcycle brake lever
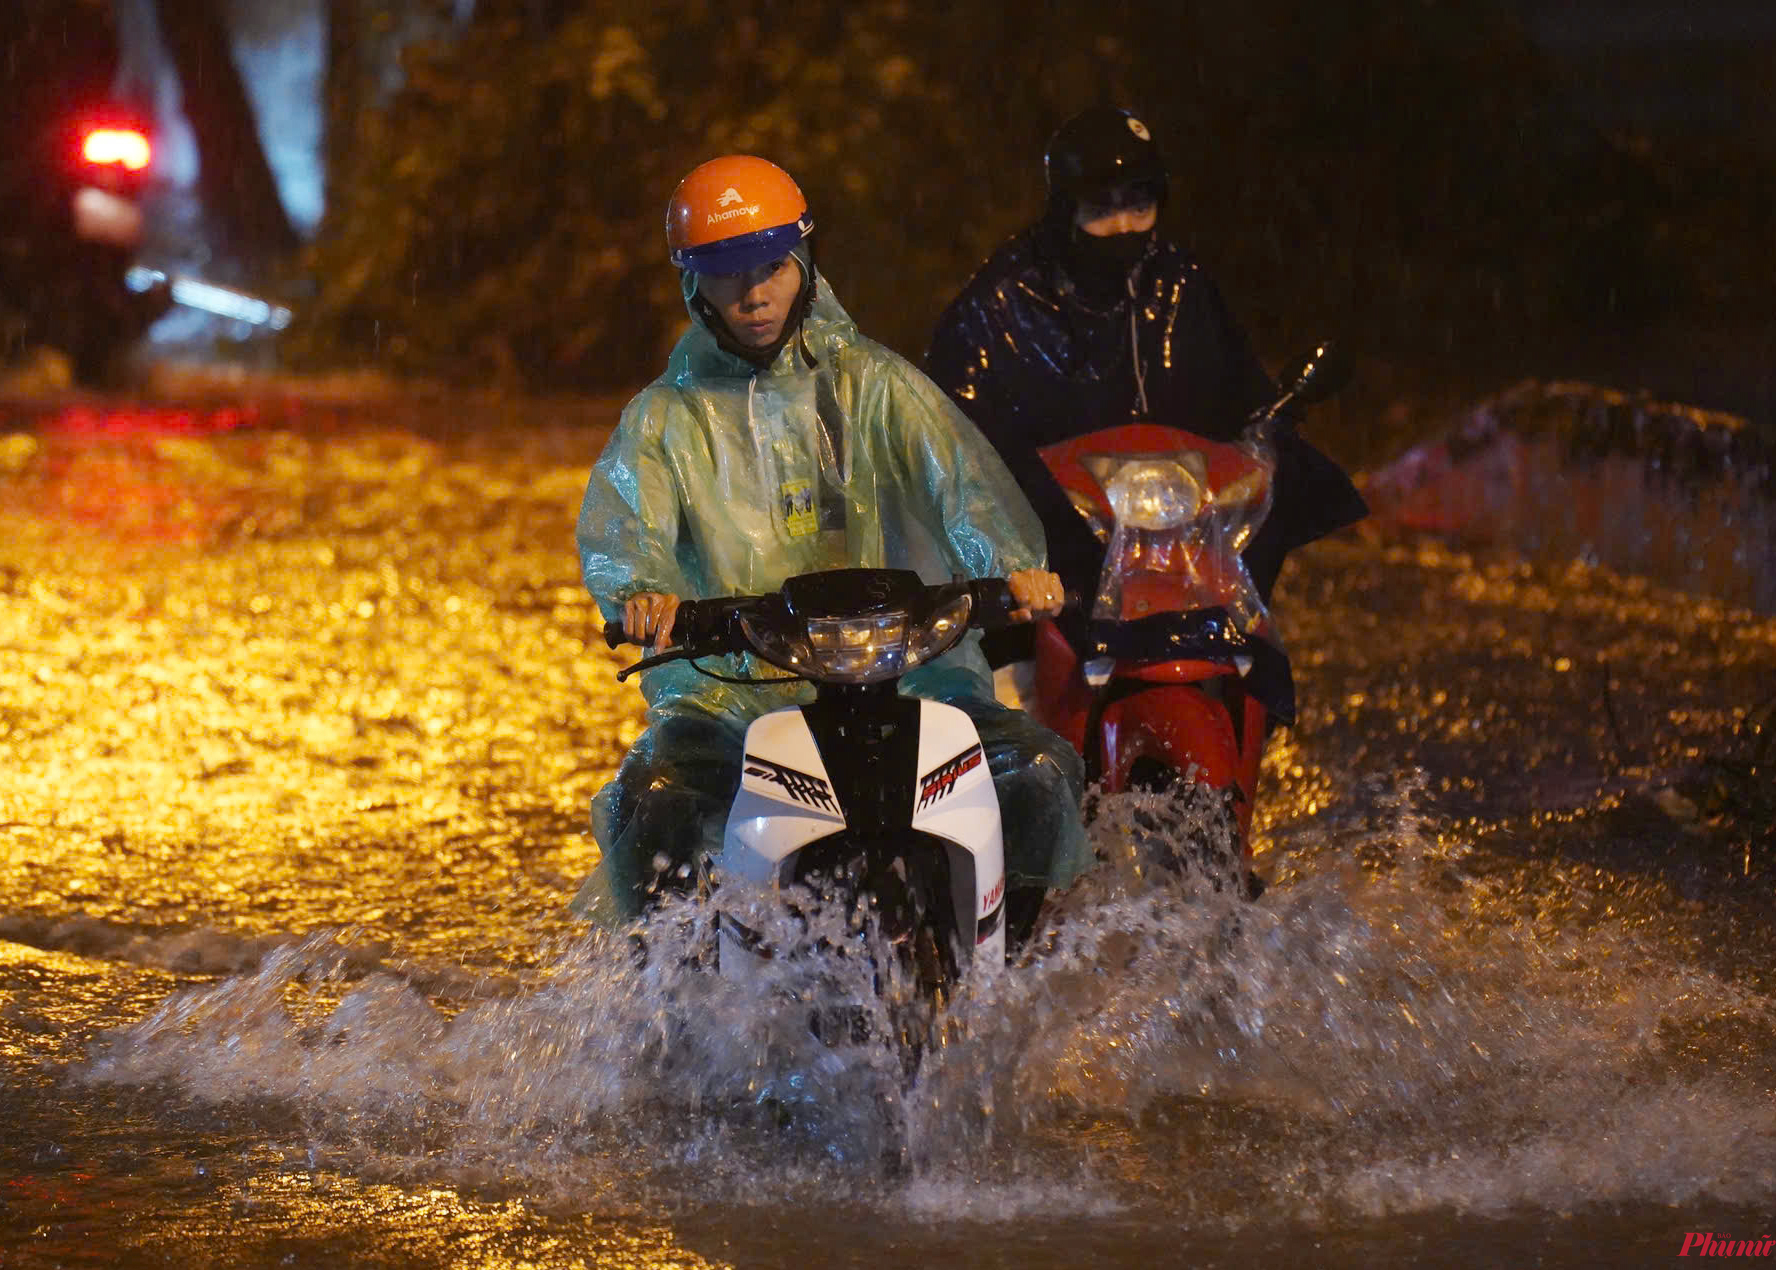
(660, 659)
(702, 628)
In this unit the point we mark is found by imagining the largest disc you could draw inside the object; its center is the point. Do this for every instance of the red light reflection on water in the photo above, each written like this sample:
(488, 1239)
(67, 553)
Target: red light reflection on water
(149, 421)
(108, 468)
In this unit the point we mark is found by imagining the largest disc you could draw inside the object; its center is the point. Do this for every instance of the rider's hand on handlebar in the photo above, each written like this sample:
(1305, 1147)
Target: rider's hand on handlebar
(1038, 593)
(648, 618)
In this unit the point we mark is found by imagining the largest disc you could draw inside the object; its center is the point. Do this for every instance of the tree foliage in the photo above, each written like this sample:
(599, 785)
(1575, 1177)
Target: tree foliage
(1405, 172)
(508, 216)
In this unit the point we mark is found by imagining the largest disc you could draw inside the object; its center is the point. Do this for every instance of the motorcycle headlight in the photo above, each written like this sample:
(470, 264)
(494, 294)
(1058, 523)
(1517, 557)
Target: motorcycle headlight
(783, 643)
(937, 634)
(1154, 494)
(859, 649)
(872, 646)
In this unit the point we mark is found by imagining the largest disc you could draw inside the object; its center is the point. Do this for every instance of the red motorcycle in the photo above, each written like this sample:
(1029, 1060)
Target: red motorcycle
(1179, 673)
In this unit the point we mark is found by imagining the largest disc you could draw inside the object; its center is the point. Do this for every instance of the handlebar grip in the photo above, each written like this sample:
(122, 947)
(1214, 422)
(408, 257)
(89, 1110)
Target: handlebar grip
(697, 622)
(616, 633)
(993, 603)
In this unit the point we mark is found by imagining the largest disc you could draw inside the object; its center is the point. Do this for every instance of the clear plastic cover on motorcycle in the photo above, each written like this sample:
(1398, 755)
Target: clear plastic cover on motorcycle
(1179, 521)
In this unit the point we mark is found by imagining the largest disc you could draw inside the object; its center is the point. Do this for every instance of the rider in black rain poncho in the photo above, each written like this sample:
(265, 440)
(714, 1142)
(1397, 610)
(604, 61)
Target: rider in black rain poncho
(1088, 319)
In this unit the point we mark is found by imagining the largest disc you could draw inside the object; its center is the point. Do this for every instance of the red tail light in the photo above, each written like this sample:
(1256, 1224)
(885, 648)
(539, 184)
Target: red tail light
(123, 147)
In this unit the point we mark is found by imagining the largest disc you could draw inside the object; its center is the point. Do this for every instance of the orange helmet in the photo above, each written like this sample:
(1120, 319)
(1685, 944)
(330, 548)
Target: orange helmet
(733, 214)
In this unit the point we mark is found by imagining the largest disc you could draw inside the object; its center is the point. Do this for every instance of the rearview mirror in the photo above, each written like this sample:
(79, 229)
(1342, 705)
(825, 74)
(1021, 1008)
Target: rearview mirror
(1319, 375)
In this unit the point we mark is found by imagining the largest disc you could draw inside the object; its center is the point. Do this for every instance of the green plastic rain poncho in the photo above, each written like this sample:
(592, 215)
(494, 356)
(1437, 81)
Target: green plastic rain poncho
(722, 480)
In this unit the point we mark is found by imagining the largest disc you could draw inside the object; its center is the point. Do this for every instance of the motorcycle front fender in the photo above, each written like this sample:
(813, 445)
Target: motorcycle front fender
(1177, 725)
(792, 797)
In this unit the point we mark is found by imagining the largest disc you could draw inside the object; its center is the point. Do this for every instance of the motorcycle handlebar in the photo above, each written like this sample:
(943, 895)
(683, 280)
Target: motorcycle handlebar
(699, 621)
(993, 605)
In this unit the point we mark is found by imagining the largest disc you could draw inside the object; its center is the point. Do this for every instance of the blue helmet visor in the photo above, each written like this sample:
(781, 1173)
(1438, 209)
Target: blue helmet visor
(744, 251)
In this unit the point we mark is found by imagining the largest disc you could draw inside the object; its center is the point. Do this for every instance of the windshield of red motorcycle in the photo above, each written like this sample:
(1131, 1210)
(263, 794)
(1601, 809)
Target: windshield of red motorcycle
(1176, 536)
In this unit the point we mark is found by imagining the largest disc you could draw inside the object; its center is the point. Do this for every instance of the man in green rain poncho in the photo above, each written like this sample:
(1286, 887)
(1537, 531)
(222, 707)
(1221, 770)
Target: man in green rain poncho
(780, 441)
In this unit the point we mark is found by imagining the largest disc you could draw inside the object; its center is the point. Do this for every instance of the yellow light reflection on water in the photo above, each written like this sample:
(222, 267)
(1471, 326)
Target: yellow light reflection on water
(275, 681)
(444, 1227)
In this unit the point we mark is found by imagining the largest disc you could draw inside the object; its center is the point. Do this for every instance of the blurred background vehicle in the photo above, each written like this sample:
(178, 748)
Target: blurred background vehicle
(112, 221)
(73, 179)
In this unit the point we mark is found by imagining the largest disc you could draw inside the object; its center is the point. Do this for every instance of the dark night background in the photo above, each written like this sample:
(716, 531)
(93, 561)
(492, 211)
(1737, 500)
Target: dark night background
(1467, 191)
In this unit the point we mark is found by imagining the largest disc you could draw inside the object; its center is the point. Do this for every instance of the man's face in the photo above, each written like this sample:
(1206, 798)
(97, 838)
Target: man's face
(755, 304)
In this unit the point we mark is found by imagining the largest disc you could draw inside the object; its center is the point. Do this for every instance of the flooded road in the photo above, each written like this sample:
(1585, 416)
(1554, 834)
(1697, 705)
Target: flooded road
(301, 716)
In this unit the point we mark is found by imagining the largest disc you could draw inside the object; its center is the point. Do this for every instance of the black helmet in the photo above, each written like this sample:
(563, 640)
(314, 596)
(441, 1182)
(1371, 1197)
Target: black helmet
(1100, 150)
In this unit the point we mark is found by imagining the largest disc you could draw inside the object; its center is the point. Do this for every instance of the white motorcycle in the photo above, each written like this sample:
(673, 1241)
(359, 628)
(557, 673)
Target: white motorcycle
(879, 801)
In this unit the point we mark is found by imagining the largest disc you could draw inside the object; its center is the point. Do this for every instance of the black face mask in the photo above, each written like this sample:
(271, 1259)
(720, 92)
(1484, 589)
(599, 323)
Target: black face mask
(1100, 266)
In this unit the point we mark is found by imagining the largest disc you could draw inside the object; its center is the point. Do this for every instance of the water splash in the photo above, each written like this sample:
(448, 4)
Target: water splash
(1395, 1027)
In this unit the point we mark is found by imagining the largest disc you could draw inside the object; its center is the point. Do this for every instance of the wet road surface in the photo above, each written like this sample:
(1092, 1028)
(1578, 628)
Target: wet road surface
(300, 717)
